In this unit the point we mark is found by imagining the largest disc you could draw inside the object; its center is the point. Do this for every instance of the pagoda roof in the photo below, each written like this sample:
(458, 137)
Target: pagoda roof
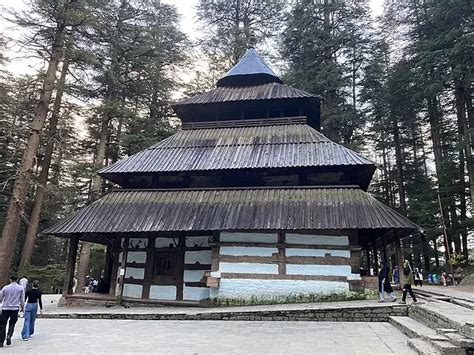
(250, 70)
(259, 146)
(221, 209)
(268, 91)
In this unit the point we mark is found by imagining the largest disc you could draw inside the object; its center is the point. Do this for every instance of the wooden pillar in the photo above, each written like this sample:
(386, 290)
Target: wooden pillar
(181, 249)
(70, 266)
(281, 253)
(123, 268)
(108, 265)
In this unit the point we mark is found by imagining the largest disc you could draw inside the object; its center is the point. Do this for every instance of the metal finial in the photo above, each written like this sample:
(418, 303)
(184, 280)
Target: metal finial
(252, 41)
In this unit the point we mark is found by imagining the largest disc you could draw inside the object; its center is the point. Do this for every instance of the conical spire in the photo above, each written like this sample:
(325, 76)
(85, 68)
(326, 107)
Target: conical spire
(250, 70)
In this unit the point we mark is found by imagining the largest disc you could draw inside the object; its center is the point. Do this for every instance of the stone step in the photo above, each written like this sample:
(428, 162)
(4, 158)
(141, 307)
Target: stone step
(439, 314)
(415, 329)
(446, 348)
(460, 340)
(422, 347)
(463, 303)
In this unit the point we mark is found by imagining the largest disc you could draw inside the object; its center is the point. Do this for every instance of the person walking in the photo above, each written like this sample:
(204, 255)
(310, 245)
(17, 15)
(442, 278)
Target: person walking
(384, 283)
(418, 277)
(12, 298)
(407, 279)
(396, 277)
(23, 282)
(32, 299)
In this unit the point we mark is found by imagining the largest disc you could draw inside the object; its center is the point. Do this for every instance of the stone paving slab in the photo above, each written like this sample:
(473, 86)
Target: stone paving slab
(211, 337)
(462, 292)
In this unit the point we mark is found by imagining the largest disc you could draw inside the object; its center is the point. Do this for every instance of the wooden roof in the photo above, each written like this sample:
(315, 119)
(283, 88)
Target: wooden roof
(271, 146)
(269, 91)
(273, 208)
(251, 69)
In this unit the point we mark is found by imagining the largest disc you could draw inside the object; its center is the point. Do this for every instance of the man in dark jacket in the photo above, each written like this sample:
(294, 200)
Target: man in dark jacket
(384, 283)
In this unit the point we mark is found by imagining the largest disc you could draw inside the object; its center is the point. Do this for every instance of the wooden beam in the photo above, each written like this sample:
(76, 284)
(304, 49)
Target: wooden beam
(399, 256)
(236, 275)
(281, 253)
(70, 266)
(180, 267)
(123, 268)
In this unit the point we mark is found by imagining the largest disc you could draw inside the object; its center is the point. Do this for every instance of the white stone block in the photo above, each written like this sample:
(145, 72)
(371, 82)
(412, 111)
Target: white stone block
(134, 272)
(245, 288)
(248, 268)
(293, 238)
(249, 237)
(195, 293)
(193, 275)
(136, 256)
(159, 292)
(164, 242)
(248, 251)
(200, 241)
(318, 270)
(201, 256)
(132, 291)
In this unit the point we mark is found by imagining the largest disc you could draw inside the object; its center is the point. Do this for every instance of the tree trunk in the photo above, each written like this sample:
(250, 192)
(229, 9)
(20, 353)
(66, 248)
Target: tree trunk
(462, 205)
(464, 137)
(45, 166)
(399, 166)
(83, 267)
(22, 181)
(435, 249)
(435, 120)
(100, 156)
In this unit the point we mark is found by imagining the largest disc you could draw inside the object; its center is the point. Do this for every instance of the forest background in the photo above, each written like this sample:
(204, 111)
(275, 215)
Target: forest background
(84, 83)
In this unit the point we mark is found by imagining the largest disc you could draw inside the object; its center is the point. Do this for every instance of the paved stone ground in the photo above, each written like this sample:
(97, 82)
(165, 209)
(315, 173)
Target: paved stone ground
(211, 337)
(462, 292)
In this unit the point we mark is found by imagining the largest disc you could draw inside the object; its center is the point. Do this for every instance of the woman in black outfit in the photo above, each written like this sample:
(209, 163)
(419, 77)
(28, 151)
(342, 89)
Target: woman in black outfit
(32, 299)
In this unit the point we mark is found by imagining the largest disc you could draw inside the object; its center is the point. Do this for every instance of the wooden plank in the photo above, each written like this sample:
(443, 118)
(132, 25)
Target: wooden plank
(281, 257)
(115, 265)
(321, 260)
(283, 245)
(249, 259)
(215, 252)
(195, 284)
(123, 268)
(149, 267)
(180, 267)
(70, 265)
(228, 275)
(197, 266)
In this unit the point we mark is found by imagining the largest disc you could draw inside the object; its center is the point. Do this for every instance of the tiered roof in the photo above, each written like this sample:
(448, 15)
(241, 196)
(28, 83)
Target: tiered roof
(255, 147)
(297, 208)
(232, 145)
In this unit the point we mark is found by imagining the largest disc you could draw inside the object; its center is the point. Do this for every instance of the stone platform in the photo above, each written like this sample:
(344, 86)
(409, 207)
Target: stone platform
(349, 311)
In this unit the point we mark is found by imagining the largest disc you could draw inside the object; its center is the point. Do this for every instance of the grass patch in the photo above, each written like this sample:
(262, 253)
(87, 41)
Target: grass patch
(293, 298)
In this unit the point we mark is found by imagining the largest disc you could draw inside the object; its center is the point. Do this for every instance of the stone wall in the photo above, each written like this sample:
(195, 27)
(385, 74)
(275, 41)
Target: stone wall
(336, 314)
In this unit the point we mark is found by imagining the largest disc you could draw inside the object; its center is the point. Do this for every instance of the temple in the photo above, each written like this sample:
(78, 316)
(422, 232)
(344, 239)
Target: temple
(248, 200)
